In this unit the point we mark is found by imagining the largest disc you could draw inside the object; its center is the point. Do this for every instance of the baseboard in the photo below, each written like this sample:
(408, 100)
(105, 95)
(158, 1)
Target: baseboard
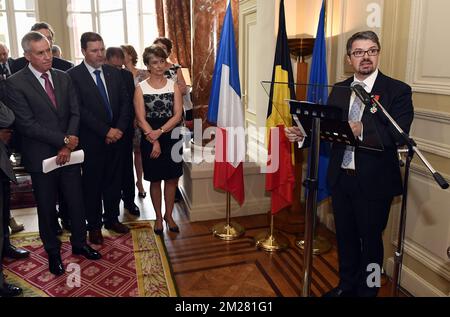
(217, 210)
(413, 283)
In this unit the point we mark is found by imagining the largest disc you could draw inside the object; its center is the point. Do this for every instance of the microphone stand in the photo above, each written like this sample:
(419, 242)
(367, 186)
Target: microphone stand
(411, 150)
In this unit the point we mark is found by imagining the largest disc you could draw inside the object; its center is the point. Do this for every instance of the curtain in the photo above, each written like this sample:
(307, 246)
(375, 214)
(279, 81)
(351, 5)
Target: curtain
(174, 22)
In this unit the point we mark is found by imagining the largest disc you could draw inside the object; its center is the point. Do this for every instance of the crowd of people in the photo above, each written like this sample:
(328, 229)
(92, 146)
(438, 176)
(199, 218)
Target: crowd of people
(105, 106)
(111, 110)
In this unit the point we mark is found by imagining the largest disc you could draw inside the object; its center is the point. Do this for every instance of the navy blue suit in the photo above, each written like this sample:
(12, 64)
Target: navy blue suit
(103, 165)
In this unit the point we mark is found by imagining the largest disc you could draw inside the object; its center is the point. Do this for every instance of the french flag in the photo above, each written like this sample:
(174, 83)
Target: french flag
(226, 111)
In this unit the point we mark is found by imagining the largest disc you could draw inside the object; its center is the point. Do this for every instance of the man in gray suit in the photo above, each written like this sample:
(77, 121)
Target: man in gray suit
(45, 104)
(6, 119)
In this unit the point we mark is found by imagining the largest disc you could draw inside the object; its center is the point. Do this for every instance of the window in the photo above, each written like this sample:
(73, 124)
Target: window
(16, 19)
(118, 21)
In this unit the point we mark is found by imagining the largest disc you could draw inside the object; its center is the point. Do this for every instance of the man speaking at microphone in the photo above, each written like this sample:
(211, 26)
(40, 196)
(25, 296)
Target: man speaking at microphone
(363, 182)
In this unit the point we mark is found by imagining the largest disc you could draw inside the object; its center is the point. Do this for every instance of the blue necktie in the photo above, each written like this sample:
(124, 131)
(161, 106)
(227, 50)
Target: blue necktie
(355, 112)
(102, 90)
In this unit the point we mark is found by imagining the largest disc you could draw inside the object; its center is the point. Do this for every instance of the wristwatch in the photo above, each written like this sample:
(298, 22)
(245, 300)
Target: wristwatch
(66, 140)
(162, 130)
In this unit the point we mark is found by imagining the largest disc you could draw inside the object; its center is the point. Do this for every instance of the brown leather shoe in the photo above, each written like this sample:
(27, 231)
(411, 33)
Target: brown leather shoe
(117, 227)
(95, 237)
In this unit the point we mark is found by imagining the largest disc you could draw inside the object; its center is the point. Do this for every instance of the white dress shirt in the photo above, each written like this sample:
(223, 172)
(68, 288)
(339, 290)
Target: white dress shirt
(369, 82)
(38, 75)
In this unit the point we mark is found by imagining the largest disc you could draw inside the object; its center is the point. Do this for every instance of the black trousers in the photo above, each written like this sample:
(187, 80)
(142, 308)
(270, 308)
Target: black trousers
(102, 179)
(6, 209)
(360, 223)
(128, 186)
(45, 187)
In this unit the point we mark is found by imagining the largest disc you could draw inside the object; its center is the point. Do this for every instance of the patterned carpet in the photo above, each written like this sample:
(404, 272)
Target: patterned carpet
(133, 265)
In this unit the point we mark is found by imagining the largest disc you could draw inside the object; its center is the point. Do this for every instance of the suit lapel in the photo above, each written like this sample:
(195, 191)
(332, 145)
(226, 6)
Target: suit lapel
(379, 88)
(108, 83)
(344, 97)
(90, 81)
(34, 82)
(57, 89)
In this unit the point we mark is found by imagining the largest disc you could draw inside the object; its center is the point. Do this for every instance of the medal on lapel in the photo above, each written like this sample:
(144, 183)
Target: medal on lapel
(374, 108)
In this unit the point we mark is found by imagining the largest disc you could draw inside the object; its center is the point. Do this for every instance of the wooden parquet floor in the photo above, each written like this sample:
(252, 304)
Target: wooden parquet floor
(206, 266)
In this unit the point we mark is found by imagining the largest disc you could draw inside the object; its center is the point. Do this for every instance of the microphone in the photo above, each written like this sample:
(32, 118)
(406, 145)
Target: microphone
(362, 94)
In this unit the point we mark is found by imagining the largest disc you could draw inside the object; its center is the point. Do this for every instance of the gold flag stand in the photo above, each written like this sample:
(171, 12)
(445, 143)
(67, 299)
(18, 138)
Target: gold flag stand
(271, 242)
(228, 230)
(320, 245)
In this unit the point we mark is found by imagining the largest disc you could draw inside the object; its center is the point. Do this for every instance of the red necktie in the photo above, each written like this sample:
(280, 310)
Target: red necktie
(49, 89)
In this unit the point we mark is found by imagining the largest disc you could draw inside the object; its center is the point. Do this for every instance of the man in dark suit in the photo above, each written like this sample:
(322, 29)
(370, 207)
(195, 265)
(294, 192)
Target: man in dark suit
(363, 182)
(57, 63)
(46, 107)
(9, 250)
(47, 31)
(116, 58)
(6, 119)
(105, 116)
(5, 62)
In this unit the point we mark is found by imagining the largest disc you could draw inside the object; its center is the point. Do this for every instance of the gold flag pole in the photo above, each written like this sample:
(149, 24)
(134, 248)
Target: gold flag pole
(269, 241)
(228, 230)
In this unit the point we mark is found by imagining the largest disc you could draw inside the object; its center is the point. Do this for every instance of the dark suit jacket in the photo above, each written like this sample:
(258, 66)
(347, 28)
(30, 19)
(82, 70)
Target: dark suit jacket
(41, 125)
(9, 62)
(95, 122)
(6, 120)
(129, 84)
(377, 172)
(58, 63)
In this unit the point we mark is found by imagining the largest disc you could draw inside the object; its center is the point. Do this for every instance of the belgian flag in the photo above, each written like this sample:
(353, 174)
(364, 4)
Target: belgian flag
(280, 181)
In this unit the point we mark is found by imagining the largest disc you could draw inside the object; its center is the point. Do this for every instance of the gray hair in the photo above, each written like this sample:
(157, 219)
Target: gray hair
(32, 36)
(365, 35)
(56, 49)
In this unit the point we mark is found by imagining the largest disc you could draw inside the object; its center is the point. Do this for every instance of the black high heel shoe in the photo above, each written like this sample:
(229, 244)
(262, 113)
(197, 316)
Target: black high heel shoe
(142, 195)
(158, 232)
(175, 229)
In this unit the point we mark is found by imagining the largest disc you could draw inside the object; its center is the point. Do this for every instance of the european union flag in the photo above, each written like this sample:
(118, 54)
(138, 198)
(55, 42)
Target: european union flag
(318, 93)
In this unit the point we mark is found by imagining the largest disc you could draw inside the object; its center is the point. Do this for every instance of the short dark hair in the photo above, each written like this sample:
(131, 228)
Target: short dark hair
(43, 25)
(114, 52)
(89, 37)
(156, 50)
(32, 36)
(365, 35)
(167, 43)
(129, 49)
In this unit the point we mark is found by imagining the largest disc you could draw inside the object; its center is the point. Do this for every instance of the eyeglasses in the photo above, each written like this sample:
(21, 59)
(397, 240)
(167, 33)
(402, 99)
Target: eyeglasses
(370, 52)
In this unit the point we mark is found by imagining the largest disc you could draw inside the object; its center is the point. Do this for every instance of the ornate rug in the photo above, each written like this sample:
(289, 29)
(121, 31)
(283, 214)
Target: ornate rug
(133, 265)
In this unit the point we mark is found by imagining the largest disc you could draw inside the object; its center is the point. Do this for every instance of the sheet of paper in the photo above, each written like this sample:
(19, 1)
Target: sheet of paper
(302, 130)
(49, 164)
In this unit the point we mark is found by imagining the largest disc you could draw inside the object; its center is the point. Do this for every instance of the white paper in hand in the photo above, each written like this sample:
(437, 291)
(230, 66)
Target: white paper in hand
(49, 164)
(303, 132)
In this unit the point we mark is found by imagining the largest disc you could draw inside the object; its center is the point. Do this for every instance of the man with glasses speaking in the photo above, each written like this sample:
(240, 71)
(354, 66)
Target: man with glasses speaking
(363, 183)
